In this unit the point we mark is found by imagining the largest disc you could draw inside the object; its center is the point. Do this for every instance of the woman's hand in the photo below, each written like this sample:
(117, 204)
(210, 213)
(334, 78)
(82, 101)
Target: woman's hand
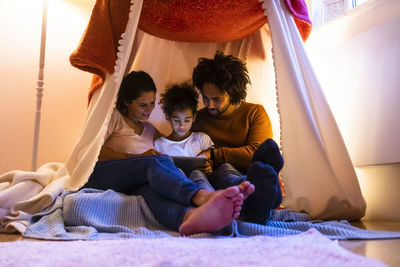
(150, 152)
(107, 153)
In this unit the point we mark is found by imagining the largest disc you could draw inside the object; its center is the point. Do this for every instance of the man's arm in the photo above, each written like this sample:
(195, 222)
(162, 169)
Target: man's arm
(259, 130)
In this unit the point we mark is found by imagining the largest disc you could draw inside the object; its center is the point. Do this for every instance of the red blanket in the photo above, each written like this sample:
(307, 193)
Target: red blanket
(183, 20)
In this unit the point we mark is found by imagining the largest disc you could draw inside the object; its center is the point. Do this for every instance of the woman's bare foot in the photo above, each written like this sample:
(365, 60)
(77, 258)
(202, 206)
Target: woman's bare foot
(246, 188)
(219, 211)
(203, 195)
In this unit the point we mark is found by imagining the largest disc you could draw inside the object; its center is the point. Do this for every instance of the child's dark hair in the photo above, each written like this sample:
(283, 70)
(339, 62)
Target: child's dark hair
(132, 87)
(226, 72)
(179, 97)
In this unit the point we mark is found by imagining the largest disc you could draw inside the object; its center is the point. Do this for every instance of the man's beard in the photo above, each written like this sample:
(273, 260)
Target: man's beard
(217, 112)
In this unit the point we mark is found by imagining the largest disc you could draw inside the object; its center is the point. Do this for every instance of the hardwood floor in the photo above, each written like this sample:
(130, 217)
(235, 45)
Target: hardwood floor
(10, 237)
(386, 250)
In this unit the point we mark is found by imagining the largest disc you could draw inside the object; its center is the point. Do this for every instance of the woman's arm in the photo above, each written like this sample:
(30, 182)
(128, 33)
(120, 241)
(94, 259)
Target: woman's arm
(107, 153)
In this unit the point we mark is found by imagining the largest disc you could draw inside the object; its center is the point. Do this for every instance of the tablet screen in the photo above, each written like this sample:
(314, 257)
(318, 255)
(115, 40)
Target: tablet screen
(188, 164)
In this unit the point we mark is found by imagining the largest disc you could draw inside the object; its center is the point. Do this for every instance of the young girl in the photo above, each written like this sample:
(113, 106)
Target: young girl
(179, 103)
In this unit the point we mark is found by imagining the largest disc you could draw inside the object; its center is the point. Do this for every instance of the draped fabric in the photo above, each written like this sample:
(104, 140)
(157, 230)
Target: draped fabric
(318, 174)
(318, 171)
(189, 21)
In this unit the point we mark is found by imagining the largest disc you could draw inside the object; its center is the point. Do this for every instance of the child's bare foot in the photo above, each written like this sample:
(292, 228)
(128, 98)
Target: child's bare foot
(246, 188)
(218, 212)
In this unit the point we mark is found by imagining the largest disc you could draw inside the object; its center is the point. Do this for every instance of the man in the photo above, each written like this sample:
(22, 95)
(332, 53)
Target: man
(241, 132)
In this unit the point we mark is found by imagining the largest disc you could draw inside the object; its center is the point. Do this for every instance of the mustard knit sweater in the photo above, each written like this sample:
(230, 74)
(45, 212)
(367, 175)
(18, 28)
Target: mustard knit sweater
(237, 135)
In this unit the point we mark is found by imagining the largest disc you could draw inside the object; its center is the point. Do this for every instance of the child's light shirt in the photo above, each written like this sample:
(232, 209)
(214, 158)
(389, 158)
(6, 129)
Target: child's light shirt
(189, 147)
(122, 138)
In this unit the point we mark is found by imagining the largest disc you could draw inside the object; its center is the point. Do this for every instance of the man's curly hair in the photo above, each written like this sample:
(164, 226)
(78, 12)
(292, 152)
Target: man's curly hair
(228, 73)
(178, 97)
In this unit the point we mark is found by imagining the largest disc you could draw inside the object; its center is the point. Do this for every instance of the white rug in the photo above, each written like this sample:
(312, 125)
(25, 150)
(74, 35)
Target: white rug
(307, 249)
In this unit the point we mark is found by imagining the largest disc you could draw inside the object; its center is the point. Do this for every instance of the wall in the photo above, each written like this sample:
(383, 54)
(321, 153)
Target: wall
(357, 58)
(379, 185)
(65, 94)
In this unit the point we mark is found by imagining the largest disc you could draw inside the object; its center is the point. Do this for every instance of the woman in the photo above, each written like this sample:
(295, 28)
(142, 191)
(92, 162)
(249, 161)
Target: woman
(129, 164)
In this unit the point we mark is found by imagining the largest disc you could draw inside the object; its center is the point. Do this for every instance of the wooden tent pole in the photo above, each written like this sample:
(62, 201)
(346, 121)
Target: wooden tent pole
(39, 89)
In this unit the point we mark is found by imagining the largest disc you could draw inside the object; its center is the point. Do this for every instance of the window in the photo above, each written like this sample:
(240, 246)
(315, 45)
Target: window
(325, 10)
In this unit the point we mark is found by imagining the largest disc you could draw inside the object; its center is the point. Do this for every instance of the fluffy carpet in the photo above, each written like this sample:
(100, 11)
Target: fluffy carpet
(306, 249)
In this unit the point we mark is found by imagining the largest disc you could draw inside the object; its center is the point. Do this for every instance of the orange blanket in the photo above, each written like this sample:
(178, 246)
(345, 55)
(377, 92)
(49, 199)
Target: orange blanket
(184, 20)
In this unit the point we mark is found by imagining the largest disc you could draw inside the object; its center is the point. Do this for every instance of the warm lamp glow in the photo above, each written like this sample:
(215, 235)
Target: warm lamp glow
(26, 33)
(357, 59)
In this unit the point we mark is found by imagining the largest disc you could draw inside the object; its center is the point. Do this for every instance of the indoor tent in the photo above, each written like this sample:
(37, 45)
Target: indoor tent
(318, 174)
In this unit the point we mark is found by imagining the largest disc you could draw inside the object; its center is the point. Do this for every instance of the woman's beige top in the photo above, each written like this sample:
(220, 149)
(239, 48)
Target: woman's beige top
(121, 137)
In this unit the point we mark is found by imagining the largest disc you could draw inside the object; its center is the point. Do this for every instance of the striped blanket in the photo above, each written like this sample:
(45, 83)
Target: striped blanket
(91, 214)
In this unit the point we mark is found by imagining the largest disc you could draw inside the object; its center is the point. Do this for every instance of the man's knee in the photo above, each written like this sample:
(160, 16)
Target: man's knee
(267, 195)
(260, 172)
(268, 152)
(227, 168)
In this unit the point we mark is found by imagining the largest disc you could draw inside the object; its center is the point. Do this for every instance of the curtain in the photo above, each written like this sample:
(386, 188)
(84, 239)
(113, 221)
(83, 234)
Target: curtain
(319, 175)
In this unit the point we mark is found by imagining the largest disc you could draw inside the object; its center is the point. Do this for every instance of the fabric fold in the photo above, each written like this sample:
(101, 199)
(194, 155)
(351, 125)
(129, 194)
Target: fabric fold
(96, 52)
(318, 173)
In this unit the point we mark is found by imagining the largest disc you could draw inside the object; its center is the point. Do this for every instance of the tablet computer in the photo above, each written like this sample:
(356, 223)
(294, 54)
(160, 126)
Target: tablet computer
(188, 164)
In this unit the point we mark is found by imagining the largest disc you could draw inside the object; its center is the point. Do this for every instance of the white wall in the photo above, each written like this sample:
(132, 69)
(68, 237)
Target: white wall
(380, 185)
(361, 80)
(357, 59)
(66, 88)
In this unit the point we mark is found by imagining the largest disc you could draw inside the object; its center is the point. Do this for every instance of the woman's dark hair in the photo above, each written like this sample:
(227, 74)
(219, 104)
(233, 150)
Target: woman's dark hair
(132, 87)
(226, 72)
(179, 97)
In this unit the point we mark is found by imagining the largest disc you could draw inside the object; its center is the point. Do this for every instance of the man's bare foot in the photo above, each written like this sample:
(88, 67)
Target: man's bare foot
(218, 212)
(246, 188)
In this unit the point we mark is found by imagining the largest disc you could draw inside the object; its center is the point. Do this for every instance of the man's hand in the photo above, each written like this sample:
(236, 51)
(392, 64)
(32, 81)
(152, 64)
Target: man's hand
(205, 154)
(205, 168)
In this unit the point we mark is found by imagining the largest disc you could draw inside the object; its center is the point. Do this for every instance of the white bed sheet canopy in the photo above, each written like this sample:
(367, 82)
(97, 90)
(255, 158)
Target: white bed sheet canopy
(318, 173)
